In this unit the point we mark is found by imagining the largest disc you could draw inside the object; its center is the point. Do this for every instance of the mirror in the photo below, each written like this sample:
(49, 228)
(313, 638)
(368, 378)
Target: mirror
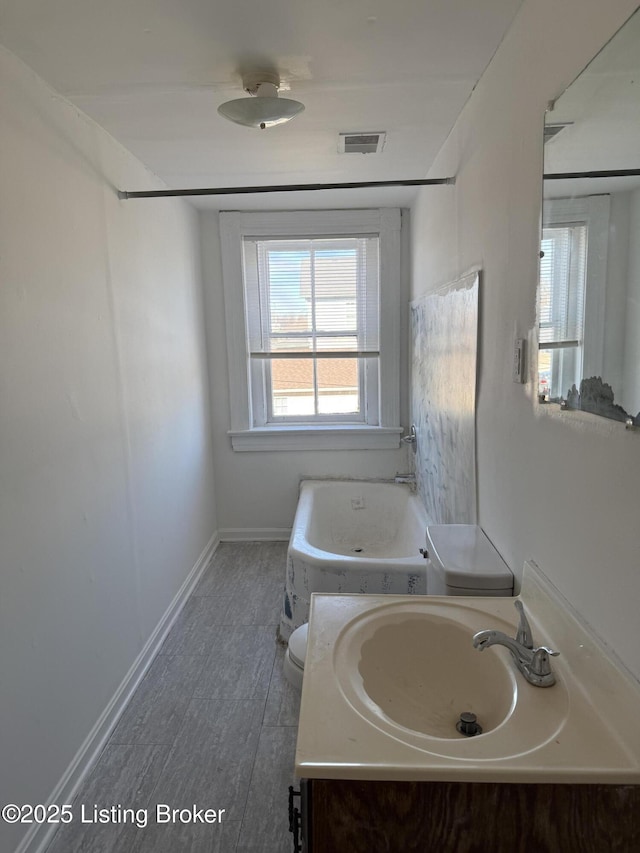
(589, 286)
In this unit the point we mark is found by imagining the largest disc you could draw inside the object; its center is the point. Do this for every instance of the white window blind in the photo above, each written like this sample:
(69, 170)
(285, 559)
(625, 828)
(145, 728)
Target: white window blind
(562, 286)
(312, 297)
(561, 307)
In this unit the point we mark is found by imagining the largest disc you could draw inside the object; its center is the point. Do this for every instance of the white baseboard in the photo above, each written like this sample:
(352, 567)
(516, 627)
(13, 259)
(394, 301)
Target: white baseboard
(255, 534)
(39, 836)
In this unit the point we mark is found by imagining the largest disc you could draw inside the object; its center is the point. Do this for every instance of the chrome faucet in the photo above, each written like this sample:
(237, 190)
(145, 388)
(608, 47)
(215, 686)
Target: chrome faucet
(534, 664)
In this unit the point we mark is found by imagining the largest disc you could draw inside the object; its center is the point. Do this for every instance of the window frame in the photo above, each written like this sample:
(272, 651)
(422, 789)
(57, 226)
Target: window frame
(261, 373)
(247, 432)
(566, 352)
(593, 212)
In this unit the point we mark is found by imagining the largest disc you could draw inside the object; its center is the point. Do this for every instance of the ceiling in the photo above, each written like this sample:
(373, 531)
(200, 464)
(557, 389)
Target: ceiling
(153, 72)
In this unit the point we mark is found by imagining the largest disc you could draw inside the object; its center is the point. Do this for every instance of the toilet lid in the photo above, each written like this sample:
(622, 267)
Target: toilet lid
(298, 645)
(466, 558)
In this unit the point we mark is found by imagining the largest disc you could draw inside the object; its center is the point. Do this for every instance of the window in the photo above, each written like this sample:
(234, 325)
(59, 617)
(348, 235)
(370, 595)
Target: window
(571, 301)
(562, 293)
(312, 316)
(312, 310)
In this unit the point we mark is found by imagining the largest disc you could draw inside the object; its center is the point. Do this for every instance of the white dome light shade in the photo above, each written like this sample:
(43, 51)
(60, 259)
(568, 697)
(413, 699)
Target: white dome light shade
(265, 110)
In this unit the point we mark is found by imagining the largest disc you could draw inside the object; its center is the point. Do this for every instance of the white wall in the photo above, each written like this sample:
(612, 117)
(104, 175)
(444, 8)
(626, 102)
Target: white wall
(559, 489)
(258, 491)
(107, 496)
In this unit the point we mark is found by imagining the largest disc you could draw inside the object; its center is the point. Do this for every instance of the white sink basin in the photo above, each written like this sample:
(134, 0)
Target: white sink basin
(411, 670)
(422, 673)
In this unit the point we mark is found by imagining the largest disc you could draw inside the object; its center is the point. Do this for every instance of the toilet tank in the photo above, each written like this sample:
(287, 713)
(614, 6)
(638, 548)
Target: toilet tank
(462, 561)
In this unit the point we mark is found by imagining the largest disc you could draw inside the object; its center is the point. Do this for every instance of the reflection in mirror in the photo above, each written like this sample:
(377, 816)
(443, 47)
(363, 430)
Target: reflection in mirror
(589, 288)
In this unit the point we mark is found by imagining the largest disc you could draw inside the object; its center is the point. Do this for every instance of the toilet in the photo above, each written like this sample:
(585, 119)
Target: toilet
(295, 655)
(460, 561)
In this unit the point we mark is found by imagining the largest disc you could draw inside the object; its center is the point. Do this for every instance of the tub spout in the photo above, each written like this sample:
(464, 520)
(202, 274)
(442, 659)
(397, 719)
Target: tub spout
(407, 480)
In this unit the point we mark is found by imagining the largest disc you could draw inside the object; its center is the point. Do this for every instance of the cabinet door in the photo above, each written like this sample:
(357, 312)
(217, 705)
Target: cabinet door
(367, 817)
(460, 817)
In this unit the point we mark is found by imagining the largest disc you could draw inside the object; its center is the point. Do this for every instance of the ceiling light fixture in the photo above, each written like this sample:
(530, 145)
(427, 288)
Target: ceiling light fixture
(266, 109)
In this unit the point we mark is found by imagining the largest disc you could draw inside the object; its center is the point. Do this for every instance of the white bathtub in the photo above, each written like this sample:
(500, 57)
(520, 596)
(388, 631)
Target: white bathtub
(353, 536)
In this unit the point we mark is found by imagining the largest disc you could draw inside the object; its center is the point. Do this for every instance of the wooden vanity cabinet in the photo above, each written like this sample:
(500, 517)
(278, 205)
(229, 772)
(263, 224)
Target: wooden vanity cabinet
(346, 816)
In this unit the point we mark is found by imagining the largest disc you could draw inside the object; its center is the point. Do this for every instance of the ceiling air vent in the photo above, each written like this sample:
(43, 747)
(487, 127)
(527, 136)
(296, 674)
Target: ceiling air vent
(552, 130)
(361, 143)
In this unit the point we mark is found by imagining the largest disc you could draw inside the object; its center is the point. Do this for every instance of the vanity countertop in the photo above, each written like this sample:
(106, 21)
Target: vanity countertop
(584, 729)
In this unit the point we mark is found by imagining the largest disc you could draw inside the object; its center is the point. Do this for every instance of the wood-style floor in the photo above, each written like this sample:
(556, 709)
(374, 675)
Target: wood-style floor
(212, 725)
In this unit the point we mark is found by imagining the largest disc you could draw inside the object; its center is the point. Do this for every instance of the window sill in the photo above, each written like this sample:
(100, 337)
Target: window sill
(340, 437)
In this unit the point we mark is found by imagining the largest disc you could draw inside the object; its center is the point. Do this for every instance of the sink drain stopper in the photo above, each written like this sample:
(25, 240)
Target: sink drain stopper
(467, 725)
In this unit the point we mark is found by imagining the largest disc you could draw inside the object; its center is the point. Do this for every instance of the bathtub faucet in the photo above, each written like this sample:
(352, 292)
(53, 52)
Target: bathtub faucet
(534, 664)
(411, 438)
